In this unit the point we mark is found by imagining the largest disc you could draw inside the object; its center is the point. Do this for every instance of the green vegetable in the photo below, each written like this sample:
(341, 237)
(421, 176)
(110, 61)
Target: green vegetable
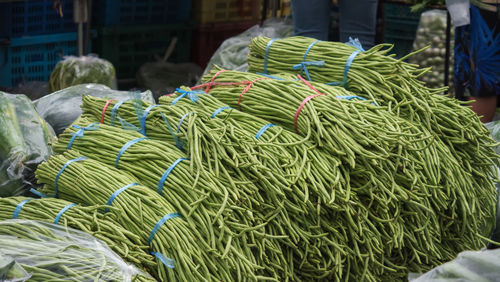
(12, 149)
(80, 70)
(87, 219)
(188, 256)
(54, 253)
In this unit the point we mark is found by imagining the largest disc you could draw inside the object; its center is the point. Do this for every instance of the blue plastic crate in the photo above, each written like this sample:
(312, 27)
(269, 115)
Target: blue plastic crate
(129, 12)
(37, 17)
(32, 58)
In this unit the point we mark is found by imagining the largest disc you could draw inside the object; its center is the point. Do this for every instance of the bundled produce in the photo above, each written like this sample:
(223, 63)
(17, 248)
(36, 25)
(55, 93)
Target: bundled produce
(25, 141)
(87, 219)
(420, 177)
(431, 33)
(80, 70)
(49, 252)
(12, 149)
(62, 108)
(233, 215)
(182, 252)
(391, 83)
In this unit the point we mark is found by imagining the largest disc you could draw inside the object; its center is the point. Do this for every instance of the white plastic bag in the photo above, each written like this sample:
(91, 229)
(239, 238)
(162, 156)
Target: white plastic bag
(48, 251)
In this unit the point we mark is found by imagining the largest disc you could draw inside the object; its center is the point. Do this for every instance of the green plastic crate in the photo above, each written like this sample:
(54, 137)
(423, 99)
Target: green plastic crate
(400, 28)
(131, 46)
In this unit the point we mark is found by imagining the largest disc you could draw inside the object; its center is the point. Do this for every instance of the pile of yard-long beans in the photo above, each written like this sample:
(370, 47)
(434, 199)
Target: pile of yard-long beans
(46, 252)
(87, 219)
(420, 188)
(183, 254)
(387, 81)
(232, 220)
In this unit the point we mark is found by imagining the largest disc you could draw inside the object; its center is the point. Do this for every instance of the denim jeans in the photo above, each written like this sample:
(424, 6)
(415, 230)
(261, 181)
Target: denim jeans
(358, 19)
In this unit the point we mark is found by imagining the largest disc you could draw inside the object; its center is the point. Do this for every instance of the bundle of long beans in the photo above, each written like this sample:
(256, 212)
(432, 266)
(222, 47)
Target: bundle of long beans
(54, 253)
(234, 221)
(388, 81)
(87, 219)
(421, 185)
(183, 255)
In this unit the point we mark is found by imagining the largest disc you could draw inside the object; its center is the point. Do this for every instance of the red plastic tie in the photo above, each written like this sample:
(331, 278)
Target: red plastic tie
(250, 83)
(302, 105)
(104, 110)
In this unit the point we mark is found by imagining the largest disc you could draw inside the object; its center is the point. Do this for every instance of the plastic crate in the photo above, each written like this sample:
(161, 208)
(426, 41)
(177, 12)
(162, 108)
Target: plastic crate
(400, 28)
(207, 38)
(33, 58)
(24, 18)
(128, 12)
(130, 47)
(218, 11)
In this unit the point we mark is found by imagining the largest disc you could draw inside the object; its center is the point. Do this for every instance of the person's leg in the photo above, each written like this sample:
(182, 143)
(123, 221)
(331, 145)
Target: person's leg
(311, 18)
(358, 19)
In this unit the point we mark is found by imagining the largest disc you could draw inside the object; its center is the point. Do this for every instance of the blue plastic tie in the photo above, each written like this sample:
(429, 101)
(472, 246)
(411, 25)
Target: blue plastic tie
(160, 223)
(355, 43)
(219, 110)
(128, 126)
(19, 207)
(350, 97)
(181, 120)
(126, 146)
(268, 46)
(114, 111)
(263, 129)
(142, 120)
(117, 192)
(178, 143)
(348, 65)
(168, 262)
(192, 95)
(62, 169)
(63, 210)
(270, 76)
(80, 132)
(303, 66)
(38, 193)
(167, 172)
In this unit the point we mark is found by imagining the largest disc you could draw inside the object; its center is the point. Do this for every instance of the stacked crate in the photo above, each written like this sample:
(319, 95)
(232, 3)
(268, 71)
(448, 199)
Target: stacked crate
(218, 20)
(400, 27)
(33, 38)
(133, 32)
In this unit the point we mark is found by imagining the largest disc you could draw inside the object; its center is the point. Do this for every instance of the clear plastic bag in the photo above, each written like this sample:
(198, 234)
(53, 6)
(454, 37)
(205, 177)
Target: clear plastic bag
(78, 70)
(60, 109)
(432, 32)
(475, 266)
(48, 251)
(233, 52)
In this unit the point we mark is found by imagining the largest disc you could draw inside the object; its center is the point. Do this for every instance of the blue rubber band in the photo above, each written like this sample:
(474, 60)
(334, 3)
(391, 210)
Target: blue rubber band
(142, 120)
(167, 172)
(178, 143)
(19, 207)
(117, 192)
(270, 76)
(181, 120)
(62, 169)
(268, 46)
(80, 132)
(348, 65)
(126, 146)
(305, 63)
(350, 97)
(192, 95)
(63, 210)
(114, 111)
(263, 129)
(220, 110)
(160, 223)
(38, 193)
(168, 262)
